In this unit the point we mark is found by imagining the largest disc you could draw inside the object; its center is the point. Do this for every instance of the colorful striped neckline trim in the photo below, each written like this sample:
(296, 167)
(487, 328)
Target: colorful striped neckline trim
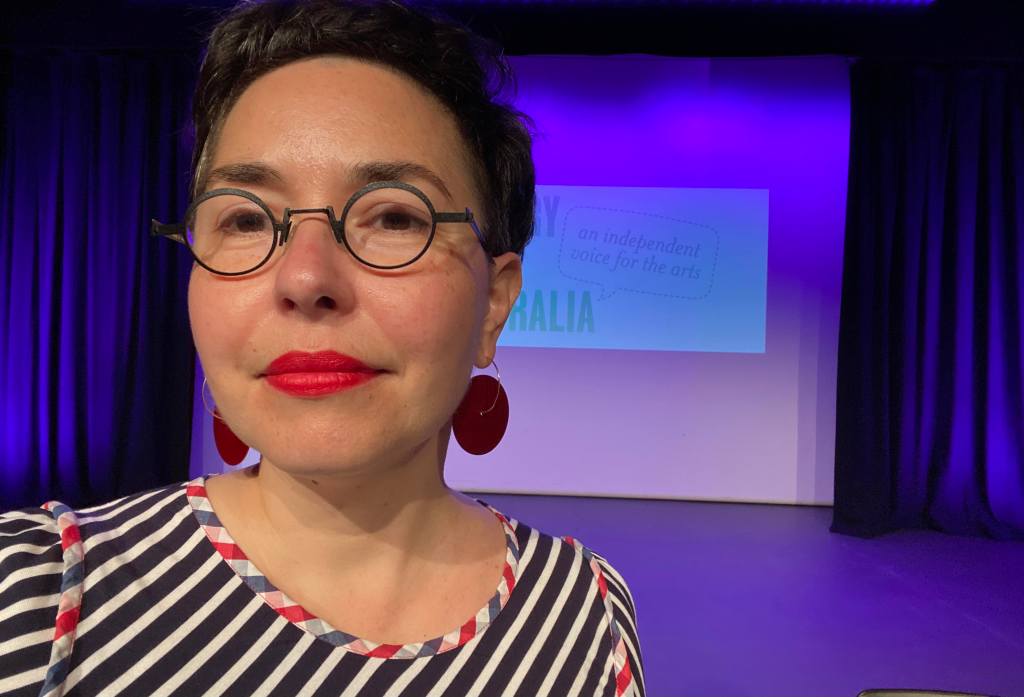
(233, 555)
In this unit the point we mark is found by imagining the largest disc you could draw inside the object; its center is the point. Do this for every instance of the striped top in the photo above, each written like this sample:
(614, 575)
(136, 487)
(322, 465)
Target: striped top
(150, 595)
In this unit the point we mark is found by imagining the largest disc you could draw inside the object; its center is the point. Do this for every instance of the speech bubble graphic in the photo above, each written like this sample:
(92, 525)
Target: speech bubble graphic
(618, 249)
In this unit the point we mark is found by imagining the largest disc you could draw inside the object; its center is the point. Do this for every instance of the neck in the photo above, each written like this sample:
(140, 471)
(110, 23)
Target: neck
(351, 522)
(345, 508)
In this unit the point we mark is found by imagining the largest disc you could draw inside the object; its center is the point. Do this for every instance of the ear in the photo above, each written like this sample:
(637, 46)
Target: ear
(506, 282)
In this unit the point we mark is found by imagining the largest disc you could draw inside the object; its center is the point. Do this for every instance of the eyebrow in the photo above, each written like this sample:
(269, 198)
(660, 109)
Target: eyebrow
(245, 173)
(362, 173)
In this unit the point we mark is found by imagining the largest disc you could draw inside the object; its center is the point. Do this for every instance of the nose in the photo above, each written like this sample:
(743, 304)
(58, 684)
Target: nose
(315, 273)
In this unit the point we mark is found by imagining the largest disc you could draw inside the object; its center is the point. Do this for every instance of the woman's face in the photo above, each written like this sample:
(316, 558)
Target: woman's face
(423, 325)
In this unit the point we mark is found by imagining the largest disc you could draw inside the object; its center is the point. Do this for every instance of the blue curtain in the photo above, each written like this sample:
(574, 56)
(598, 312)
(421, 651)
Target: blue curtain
(930, 417)
(96, 359)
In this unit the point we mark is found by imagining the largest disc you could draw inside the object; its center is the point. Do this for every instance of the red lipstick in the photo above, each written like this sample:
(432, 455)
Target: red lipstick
(302, 374)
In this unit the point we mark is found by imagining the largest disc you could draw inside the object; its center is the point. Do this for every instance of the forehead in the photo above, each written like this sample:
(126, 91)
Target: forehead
(317, 119)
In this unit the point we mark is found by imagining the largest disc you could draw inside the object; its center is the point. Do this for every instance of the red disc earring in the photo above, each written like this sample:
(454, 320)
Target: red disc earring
(230, 447)
(480, 421)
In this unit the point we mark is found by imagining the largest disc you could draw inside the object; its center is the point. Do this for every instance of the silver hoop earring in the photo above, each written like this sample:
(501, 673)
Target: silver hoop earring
(202, 394)
(231, 448)
(497, 392)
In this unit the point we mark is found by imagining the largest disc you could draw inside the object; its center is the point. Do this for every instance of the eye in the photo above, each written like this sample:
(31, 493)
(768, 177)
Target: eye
(399, 219)
(245, 221)
(387, 214)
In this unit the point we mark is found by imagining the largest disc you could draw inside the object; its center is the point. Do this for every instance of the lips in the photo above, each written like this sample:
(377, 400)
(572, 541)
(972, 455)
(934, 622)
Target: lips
(313, 374)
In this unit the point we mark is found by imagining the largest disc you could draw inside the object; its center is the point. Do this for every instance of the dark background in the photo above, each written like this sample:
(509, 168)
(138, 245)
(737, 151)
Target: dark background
(943, 30)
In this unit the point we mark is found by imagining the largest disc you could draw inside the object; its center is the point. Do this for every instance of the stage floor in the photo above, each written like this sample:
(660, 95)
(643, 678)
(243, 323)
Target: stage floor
(745, 600)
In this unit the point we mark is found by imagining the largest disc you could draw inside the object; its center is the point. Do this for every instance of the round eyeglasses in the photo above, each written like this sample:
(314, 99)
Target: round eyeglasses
(385, 225)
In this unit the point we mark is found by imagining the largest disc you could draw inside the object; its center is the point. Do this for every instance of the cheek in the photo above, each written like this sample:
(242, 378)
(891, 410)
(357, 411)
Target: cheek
(199, 317)
(432, 319)
(436, 320)
(220, 313)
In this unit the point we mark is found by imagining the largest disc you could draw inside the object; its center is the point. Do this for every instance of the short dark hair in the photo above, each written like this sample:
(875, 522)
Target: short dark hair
(463, 70)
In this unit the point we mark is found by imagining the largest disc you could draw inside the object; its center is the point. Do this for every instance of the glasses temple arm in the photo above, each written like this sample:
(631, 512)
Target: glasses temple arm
(466, 217)
(175, 231)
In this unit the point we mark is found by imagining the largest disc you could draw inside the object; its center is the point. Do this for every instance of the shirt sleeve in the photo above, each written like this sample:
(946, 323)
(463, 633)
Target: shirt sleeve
(31, 570)
(630, 676)
(628, 671)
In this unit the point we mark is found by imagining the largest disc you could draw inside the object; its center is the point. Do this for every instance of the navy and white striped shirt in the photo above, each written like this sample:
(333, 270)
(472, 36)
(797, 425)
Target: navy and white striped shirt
(149, 595)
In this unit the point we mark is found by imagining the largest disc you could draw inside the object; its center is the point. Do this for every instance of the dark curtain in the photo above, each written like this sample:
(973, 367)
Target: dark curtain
(96, 359)
(930, 417)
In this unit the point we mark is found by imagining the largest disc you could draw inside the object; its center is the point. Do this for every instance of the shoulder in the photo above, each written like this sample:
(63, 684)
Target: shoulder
(121, 511)
(43, 560)
(42, 549)
(621, 612)
(31, 574)
(30, 552)
(120, 530)
(565, 566)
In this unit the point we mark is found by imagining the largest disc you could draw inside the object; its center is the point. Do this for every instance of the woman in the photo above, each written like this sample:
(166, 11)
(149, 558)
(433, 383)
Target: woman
(360, 208)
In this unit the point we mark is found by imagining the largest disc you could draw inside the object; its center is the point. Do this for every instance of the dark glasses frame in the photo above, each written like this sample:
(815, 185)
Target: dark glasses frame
(178, 231)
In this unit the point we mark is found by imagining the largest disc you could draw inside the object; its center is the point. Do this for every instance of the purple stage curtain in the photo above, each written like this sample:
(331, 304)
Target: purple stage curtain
(930, 418)
(96, 359)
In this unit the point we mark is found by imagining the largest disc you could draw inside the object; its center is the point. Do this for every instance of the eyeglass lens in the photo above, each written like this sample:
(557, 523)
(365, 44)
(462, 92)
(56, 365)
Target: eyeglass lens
(385, 227)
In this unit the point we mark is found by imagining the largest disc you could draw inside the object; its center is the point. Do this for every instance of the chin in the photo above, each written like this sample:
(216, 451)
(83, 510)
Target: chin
(324, 462)
(321, 465)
